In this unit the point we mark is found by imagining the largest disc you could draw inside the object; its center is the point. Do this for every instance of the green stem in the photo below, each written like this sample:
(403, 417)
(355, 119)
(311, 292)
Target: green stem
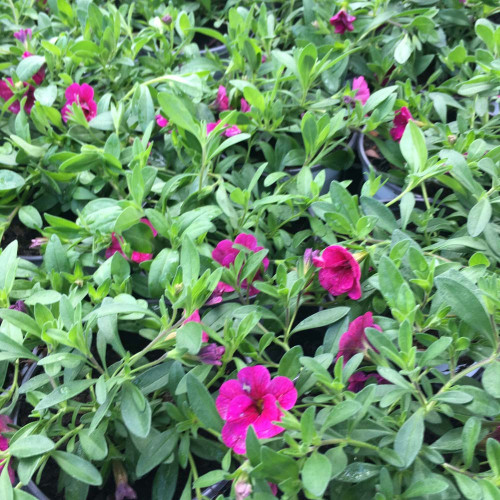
(199, 496)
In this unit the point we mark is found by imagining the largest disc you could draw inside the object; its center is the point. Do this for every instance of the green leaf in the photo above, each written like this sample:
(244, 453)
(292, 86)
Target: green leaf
(470, 436)
(55, 256)
(413, 147)
(427, 486)
(468, 487)
(177, 112)
(341, 412)
(321, 318)
(29, 66)
(135, 410)
(403, 50)
(278, 467)
(21, 320)
(210, 478)
(10, 180)
(478, 218)
(159, 449)
(493, 455)
(77, 468)
(30, 217)
(386, 219)
(31, 445)
(202, 403)
(409, 438)
(12, 348)
(466, 305)
(8, 266)
(316, 473)
(94, 444)
(63, 393)
(378, 97)
(46, 95)
(189, 337)
(491, 379)
(435, 349)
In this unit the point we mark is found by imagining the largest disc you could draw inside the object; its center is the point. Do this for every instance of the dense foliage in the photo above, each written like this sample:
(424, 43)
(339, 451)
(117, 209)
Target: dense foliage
(250, 249)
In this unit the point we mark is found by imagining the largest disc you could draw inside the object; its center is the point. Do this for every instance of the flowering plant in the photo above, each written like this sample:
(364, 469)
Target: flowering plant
(249, 250)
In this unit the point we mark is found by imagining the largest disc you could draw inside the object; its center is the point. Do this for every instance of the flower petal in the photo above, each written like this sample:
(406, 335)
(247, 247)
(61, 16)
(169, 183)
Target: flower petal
(284, 391)
(255, 380)
(227, 392)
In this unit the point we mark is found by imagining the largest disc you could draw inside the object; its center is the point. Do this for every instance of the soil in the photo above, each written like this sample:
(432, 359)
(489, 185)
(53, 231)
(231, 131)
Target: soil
(18, 231)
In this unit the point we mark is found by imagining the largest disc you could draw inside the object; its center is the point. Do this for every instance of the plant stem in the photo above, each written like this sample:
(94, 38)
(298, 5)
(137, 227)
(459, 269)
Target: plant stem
(195, 476)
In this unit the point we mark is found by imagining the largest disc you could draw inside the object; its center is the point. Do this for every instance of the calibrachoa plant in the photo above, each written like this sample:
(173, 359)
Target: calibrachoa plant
(249, 250)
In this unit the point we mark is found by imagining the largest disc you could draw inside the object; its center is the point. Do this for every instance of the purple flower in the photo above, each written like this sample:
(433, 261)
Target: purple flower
(167, 19)
(211, 354)
(18, 306)
(228, 132)
(357, 380)
(6, 93)
(342, 22)
(23, 34)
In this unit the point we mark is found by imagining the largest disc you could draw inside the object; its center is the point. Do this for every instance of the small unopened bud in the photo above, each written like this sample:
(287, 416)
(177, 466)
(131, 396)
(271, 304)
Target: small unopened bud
(19, 85)
(315, 24)
(167, 19)
(452, 139)
(360, 256)
(242, 489)
(179, 287)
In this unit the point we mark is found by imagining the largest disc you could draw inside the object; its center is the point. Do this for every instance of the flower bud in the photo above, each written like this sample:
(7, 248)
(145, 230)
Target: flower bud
(452, 139)
(167, 19)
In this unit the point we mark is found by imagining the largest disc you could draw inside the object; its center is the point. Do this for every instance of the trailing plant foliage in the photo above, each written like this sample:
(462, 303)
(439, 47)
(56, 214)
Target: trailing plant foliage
(205, 289)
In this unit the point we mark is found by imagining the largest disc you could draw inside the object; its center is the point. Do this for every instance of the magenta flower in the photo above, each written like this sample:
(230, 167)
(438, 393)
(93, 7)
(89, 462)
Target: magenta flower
(401, 119)
(244, 106)
(340, 272)
(222, 101)
(39, 76)
(228, 132)
(6, 93)
(263, 59)
(195, 318)
(342, 22)
(4, 444)
(225, 253)
(83, 96)
(216, 297)
(167, 19)
(137, 257)
(161, 121)
(23, 34)
(253, 399)
(357, 380)
(354, 340)
(211, 354)
(363, 91)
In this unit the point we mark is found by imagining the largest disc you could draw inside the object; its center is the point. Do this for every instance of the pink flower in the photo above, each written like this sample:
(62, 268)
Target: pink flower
(309, 255)
(225, 253)
(242, 489)
(23, 34)
(195, 318)
(18, 306)
(340, 272)
(232, 131)
(6, 93)
(137, 257)
(401, 119)
(229, 132)
(363, 92)
(4, 444)
(244, 106)
(263, 59)
(342, 22)
(253, 399)
(83, 96)
(39, 76)
(357, 380)
(161, 121)
(211, 354)
(222, 101)
(354, 340)
(216, 297)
